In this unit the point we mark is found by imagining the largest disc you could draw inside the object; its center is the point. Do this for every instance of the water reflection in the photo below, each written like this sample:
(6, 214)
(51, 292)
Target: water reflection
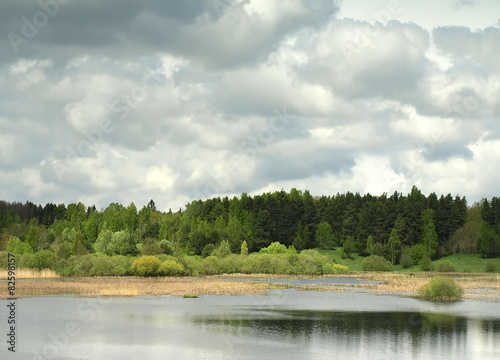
(286, 325)
(387, 335)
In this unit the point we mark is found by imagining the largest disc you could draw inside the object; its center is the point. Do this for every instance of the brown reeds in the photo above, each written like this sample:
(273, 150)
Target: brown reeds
(476, 286)
(30, 274)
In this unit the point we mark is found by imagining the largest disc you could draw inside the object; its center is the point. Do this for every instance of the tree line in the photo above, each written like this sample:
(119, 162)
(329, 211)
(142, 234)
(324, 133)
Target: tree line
(433, 226)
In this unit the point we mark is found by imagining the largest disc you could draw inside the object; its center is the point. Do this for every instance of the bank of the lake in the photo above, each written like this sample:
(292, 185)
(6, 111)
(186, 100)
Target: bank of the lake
(476, 286)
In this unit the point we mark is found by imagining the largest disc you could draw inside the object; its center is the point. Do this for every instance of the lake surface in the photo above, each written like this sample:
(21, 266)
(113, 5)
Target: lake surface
(287, 324)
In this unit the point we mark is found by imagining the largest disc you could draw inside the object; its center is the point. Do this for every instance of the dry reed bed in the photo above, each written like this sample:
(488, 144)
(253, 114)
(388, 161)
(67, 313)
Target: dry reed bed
(30, 274)
(92, 287)
(477, 287)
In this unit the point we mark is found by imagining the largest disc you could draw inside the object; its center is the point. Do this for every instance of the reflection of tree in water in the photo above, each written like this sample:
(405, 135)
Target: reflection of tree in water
(392, 328)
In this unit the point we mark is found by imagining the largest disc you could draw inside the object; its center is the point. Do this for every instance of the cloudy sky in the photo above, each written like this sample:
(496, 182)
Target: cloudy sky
(121, 100)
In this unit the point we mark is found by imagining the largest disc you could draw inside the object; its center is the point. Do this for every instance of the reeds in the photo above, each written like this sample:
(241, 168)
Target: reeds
(30, 274)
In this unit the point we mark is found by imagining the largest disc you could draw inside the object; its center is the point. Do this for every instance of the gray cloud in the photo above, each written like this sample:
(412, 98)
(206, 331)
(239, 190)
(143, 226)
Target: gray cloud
(122, 101)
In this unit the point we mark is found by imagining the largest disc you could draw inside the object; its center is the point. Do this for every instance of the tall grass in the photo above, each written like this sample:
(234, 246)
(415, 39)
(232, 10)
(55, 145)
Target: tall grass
(30, 274)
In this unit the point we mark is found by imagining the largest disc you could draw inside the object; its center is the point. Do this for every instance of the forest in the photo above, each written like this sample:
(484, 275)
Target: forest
(400, 228)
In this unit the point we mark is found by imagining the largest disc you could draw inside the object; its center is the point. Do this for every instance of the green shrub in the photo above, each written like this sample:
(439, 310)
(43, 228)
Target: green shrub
(406, 260)
(276, 248)
(171, 268)
(341, 269)
(490, 267)
(191, 265)
(425, 263)
(441, 289)
(467, 269)
(82, 265)
(24, 261)
(146, 266)
(223, 250)
(376, 263)
(417, 253)
(151, 247)
(211, 266)
(445, 266)
(102, 266)
(207, 250)
(328, 269)
(44, 259)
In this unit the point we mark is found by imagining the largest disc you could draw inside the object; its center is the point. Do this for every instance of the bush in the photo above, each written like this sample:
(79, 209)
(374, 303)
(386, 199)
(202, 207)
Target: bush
(425, 263)
(376, 263)
(146, 266)
(441, 289)
(151, 247)
(467, 269)
(328, 269)
(490, 267)
(341, 269)
(417, 253)
(211, 266)
(171, 268)
(191, 265)
(445, 266)
(44, 259)
(207, 250)
(276, 248)
(406, 260)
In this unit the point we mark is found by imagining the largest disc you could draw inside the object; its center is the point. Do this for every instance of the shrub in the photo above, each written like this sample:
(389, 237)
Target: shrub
(328, 269)
(467, 269)
(151, 247)
(425, 263)
(211, 266)
(244, 248)
(406, 261)
(223, 250)
(490, 267)
(445, 266)
(276, 248)
(146, 266)
(376, 263)
(341, 269)
(102, 266)
(207, 250)
(441, 288)
(44, 259)
(171, 268)
(191, 265)
(417, 253)
(166, 247)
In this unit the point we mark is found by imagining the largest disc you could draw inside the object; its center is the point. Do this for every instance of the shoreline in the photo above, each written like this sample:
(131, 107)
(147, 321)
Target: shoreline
(479, 287)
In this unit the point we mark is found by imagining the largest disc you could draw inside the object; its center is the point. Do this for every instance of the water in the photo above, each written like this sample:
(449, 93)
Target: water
(288, 324)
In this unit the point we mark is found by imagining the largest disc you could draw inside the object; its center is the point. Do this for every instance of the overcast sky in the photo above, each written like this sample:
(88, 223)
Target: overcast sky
(121, 100)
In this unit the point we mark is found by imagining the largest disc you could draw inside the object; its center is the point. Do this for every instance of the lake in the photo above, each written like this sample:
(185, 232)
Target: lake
(287, 324)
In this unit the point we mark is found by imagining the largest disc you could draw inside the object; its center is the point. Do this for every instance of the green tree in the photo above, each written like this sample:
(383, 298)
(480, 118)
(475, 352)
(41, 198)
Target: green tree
(32, 238)
(122, 243)
(369, 245)
(488, 241)
(244, 248)
(131, 218)
(349, 246)
(78, 246)
(324, 236)
(429, 234)
(102, 242)
(394, 245)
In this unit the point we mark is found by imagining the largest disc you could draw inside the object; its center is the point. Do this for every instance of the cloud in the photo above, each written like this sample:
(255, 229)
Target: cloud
(125, 101)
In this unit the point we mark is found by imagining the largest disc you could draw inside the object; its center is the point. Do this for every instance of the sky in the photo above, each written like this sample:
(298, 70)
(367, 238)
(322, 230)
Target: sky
(126, 101)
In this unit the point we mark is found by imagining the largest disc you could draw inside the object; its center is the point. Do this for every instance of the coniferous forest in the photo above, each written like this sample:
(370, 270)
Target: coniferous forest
(400, 228)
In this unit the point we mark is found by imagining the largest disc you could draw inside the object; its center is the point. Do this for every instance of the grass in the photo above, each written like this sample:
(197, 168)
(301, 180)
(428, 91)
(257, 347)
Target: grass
(187, 296)
(30, 274)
